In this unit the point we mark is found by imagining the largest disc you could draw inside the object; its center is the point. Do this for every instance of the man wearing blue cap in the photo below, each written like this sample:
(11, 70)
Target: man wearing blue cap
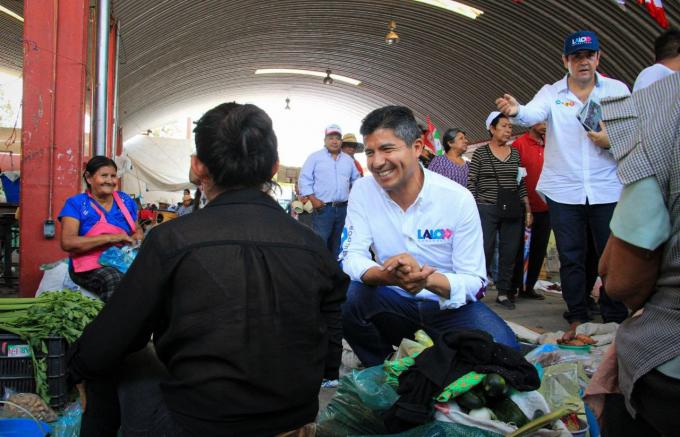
(325, 179)
(579, 178)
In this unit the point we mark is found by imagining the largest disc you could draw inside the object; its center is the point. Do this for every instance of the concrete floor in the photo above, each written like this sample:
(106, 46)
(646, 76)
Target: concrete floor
(537, 315)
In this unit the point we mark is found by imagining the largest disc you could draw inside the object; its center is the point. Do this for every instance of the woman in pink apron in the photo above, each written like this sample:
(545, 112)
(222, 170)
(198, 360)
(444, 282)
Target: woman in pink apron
(92, 222)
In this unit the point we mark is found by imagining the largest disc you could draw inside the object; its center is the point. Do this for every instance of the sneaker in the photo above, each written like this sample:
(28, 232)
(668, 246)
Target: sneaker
(330, 383)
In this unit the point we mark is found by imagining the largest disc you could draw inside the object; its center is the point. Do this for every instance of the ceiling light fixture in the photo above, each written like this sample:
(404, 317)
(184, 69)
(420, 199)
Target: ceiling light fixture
(391, 36)
(287, 104)
(328, 80)
(454, 6)
(11, 13)
(337, 77)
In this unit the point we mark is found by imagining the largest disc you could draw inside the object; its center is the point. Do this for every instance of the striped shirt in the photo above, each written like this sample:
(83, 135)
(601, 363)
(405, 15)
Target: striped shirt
(643, 133)
(483, 182)
(445, 167)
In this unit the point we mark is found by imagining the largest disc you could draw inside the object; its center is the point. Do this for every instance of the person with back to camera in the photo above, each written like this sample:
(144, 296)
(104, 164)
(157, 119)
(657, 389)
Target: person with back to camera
(242, 303)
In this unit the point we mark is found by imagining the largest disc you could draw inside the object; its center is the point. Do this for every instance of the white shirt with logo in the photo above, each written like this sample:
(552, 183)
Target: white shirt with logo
(574, 168)
(441, 229)
(650, 75)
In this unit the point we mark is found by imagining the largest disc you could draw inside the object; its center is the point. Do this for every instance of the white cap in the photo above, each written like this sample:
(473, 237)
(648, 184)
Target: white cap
(490, 118)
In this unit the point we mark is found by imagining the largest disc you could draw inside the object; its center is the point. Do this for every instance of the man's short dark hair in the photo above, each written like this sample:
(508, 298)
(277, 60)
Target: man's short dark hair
(398, 118)
(667, 45)
(238, 145)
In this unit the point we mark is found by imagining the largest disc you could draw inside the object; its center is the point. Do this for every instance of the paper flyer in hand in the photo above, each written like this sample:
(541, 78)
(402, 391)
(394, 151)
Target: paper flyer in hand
(590, 116)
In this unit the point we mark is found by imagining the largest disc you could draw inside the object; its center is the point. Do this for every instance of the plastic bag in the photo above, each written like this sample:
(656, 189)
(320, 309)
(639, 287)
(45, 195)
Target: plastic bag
(357, 405)
(68, 424)
(528, 402)
(118, 257)
(562, 384)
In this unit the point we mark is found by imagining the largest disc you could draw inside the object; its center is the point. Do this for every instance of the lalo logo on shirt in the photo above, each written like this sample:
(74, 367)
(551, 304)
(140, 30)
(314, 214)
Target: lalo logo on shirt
(567, 103)
(434, 234)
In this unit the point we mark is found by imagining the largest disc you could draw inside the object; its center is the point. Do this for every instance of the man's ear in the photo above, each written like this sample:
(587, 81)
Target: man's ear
(565, 61)
(418, 146)
(198, 170)
(275, 168)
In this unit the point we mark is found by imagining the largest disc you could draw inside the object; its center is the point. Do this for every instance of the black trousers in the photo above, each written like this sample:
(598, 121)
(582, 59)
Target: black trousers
(540, 235)
(131, 400)
(508, 230)
(656, 398)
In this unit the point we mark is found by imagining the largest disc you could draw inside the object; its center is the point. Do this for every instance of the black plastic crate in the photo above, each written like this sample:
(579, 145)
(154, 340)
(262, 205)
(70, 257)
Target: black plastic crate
(16, 367)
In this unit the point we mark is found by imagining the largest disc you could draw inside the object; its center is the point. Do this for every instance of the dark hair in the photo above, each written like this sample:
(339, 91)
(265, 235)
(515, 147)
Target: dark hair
(398, 118)
(495, 121)
(667, 45)
(238, 145)
(94, 164)
(450, 135)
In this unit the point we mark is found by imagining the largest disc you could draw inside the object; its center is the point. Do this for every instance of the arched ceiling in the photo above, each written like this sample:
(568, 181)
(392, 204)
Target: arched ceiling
(178, 53)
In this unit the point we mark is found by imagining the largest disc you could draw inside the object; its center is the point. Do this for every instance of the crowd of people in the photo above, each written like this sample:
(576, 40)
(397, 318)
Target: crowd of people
(246, 308)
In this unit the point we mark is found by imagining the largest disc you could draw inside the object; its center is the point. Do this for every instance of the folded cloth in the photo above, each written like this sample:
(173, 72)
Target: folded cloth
(453, 355)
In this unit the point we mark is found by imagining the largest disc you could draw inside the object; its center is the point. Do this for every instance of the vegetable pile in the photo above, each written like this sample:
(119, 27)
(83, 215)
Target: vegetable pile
(489, 400)
(61, 313)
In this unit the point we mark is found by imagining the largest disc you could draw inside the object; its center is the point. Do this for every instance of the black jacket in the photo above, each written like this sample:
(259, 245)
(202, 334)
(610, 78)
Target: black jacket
(244, 306)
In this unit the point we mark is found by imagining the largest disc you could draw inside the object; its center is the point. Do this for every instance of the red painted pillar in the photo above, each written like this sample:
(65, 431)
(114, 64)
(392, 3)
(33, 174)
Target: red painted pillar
(55, 44)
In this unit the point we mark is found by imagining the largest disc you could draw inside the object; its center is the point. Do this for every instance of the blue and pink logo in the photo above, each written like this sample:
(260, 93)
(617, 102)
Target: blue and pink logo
(581, 40)
(435, 234)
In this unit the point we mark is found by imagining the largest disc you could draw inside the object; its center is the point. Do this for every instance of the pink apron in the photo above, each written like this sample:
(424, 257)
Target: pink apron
(87, 261)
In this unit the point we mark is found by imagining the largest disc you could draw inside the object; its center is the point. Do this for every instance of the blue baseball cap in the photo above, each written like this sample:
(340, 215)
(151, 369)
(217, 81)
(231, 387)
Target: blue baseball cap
(581, 40)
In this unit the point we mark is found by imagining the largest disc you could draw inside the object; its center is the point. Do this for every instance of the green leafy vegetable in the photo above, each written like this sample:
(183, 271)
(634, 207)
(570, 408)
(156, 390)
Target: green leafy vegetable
(61, 313)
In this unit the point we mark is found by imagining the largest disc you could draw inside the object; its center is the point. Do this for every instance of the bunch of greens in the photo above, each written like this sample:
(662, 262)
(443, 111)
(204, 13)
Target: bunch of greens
(61, 313)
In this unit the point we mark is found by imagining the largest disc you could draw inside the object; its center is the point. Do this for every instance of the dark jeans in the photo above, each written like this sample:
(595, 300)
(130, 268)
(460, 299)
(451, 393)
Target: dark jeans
(131, 400)
(376, 318)
(570, 224)
(508, 231)
(328, 223)
(540, 234)
(656, 398)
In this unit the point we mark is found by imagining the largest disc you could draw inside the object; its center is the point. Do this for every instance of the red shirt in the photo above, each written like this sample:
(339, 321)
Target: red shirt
(358, 166)
(531, 158)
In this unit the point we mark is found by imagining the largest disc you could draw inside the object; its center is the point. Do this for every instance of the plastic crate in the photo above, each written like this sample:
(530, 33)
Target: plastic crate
(16, 367)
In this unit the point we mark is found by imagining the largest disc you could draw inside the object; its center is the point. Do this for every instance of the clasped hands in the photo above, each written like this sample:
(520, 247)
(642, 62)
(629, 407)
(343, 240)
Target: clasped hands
(407, 272)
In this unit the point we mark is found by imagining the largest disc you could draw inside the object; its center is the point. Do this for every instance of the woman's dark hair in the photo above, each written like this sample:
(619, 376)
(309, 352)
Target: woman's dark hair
(94, 164)
(495, 121)
(450, 135)
(238, 145)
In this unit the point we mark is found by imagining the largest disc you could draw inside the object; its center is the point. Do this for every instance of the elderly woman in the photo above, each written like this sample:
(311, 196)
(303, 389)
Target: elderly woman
(500, 192)
(451, 164)
(92, 222)
(242, 303)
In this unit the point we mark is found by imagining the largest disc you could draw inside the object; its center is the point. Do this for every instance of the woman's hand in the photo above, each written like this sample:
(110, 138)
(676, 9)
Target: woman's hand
(120, 238)
(529, 219)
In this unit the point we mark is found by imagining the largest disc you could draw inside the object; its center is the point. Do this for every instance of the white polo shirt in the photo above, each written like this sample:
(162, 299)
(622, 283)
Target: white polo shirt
(441, 229)
(574, 168)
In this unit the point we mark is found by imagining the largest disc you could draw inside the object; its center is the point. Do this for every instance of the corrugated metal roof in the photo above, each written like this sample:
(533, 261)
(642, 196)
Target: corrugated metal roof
(177, 53)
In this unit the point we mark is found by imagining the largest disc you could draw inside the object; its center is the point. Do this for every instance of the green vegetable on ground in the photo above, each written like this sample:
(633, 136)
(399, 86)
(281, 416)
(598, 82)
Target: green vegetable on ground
(61, 313)
(495, 385)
